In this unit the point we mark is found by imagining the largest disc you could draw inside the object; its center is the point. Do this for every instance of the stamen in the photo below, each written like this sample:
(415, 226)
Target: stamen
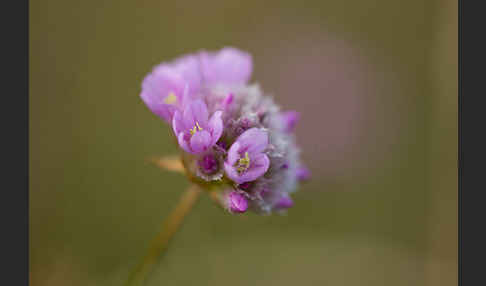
(195, 129)
(243, 163)
(171, 98)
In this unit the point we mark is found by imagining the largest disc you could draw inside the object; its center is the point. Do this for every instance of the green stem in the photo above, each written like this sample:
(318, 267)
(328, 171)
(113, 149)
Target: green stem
(161, 241)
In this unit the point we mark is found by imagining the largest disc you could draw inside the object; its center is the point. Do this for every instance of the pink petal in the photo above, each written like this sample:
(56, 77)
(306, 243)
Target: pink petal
(157, 86)
(200, 141)
(229, 66)
(196, 111)
(233, 153)
(177, 123)
(215, 125)
(189, 67)
(258, 167)
(232, 173)
(253, 140)
(183, 142)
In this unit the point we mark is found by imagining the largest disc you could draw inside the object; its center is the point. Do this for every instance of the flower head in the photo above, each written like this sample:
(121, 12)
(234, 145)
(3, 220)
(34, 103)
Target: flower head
(235, 140)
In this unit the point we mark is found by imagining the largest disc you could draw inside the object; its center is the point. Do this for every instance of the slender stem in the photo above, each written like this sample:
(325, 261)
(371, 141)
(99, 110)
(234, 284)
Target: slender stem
(161, 241)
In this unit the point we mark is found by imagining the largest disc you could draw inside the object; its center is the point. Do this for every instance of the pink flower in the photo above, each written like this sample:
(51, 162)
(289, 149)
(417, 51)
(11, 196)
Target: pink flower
(195, 131)
(246, 160)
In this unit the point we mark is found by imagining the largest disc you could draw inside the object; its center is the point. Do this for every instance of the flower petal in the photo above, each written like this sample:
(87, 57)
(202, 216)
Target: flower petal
(183, 143)
(233, 153)
(189, 67)
(196, 111)
(177, 123)
(258, 167)
(200, 141)
(162, 91)
(232, 173)
(215, 126)
(253, 141)
(229, 66)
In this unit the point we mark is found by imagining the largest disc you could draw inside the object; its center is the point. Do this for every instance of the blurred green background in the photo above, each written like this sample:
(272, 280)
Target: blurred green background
(376, 82)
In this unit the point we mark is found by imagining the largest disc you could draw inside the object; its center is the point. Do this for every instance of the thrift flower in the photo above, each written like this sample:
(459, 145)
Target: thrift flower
(235, 140)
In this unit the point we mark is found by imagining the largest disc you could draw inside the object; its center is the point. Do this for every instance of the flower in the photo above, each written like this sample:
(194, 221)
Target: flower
(246, 161)
(194, 130)
(235, 140)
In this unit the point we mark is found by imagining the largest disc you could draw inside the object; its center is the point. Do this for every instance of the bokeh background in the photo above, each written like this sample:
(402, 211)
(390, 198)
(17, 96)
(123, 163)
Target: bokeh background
(375, 82)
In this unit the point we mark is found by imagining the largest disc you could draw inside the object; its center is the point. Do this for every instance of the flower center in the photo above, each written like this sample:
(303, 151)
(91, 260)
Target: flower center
(243, 163)
(195, 129)
(171, 98)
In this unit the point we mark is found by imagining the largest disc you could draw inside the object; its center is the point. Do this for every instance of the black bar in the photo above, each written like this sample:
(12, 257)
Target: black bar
(472, 110)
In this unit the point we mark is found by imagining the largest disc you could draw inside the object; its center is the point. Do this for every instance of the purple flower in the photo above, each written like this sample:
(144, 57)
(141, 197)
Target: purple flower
(236, 202)
(290, 119)
(195, 131)
(246, 160)
(228, 66)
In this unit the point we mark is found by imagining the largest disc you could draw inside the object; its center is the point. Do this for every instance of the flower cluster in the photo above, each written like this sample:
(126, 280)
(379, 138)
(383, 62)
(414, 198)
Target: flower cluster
(234, 138)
